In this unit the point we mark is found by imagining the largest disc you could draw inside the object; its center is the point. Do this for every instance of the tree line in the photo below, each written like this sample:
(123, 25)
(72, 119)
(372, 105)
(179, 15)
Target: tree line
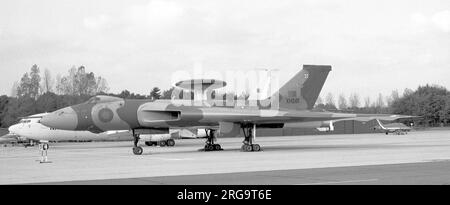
(38, 93)
(352, 103)
(76, 82)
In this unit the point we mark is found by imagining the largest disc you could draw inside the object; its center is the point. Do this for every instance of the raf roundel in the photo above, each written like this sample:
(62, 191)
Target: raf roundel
(105, 115)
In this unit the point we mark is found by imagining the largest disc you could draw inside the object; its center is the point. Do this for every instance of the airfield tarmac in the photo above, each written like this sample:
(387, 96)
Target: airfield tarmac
(421, 157)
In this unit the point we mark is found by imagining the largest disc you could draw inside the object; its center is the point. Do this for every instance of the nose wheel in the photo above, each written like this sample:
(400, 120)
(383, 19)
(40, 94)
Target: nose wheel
(137, 150)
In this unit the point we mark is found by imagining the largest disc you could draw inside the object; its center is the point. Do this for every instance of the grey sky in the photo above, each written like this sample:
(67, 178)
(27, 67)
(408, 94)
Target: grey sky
(373, 46)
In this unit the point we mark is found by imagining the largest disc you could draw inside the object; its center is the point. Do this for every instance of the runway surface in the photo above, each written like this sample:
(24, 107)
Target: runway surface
(416, 158)
(426, 173)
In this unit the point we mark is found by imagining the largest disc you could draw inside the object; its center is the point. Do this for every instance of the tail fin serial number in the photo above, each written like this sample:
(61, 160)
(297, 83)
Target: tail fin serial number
(293, 100)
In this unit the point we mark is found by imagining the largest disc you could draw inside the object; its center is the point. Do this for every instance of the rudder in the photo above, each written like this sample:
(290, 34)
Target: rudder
(302, 91)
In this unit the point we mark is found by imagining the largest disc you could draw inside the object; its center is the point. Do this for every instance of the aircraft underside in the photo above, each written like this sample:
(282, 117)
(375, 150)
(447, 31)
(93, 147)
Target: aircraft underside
(248, 145)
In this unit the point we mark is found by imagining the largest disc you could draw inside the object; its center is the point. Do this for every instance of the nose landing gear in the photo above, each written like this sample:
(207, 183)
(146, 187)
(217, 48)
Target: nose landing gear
(137, 150)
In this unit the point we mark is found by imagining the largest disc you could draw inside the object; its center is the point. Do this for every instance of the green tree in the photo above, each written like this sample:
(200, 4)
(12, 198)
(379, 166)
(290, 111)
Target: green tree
(35, 82)
(10, 113)
(47, 82)
(329, 102)
(3, 106)
(124, 94)
(24, 86)
(29, 85)
(155, 94)
(167, 94)
(342, 102)
(445, 113)
(430, 102)
(46, 103)
(79, 82)
(354, 101)
(102, 85)
(84, 83)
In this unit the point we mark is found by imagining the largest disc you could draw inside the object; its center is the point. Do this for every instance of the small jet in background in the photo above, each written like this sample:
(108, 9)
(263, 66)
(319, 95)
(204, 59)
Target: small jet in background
(30, 129)
(8, 139)
(396, 128)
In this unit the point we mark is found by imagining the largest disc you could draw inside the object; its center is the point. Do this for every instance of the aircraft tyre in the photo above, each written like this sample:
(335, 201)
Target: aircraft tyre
(251, 148)
(247, 148)
(170, 142)
(210, 142)
(137, 150)
(162, 143)
(217, 147)
(249, 135)
(209, 147)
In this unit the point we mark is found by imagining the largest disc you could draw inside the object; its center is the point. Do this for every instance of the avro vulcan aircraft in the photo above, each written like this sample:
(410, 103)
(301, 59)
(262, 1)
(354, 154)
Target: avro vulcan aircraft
(294, 101)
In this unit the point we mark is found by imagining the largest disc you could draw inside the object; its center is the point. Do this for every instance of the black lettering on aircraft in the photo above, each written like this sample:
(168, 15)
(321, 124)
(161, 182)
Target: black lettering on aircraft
(292, 100)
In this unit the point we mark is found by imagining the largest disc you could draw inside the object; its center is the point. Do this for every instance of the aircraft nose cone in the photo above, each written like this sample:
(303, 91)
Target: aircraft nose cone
(63, 119)
(12, 129)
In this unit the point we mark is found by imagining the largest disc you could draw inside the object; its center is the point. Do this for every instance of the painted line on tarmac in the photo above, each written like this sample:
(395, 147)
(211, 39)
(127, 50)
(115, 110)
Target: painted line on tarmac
(340, 182)
(172, 159)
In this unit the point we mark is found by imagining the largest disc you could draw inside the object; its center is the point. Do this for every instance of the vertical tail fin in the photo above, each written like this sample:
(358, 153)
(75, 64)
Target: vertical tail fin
(302, 91)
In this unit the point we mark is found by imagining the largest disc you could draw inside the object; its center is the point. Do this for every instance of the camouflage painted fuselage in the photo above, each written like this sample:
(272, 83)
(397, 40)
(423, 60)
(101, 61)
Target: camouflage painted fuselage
(105, 113)
(290, 104)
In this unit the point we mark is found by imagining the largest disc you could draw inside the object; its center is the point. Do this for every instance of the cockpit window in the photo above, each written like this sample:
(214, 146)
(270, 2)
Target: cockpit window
(93, 100)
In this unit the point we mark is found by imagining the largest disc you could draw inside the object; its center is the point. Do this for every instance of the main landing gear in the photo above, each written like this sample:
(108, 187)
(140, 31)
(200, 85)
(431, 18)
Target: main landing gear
(169, 143)
(210, 138)
(249, 135)
(137, 150)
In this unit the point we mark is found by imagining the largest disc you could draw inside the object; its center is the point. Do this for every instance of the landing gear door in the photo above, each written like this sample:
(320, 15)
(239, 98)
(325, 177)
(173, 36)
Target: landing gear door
(229, 129)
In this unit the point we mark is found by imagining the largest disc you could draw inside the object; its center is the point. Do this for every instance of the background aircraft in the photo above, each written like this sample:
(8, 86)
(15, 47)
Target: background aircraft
(8, 139)
(397, 128)
(292, 103)
(30, 129)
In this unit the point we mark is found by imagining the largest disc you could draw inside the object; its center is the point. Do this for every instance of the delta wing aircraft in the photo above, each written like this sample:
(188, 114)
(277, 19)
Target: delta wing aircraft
(292, 103)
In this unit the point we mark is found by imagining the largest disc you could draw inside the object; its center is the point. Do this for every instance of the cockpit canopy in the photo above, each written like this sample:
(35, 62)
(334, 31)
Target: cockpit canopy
(25, 121)
(102, 99)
